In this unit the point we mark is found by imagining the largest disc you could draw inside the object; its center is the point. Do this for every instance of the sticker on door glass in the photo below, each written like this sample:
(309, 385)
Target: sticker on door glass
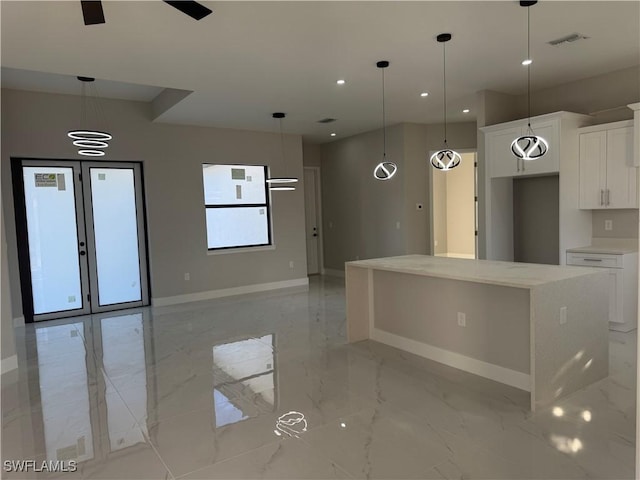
(238, 192)
(102, 176)
(237, 174)
(61, 183)
(46, 180)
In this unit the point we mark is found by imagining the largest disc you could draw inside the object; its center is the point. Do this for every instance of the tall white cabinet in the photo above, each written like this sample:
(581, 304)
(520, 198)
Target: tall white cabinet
(560, 129)
(608, 177)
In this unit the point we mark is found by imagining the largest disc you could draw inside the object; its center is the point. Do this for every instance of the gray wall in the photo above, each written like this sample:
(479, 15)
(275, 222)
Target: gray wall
(6, 320)
(35, 125)
(536, 220)
(311, 155)
(625, 223)
(600, 95)
(360, 214)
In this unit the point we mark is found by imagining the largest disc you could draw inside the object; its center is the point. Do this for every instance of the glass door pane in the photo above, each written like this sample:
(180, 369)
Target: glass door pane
(56, 253)
(113, 207)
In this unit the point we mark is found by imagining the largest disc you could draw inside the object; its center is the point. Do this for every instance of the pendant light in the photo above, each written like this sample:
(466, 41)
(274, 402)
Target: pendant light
(91, 142)
(271, 181)
(529, 146)
(385, 170)
(445, 159)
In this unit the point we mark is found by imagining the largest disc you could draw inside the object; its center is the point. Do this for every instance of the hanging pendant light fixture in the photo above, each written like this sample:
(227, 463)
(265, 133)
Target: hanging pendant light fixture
(271, 181)
(445, 159)
(385, 170)
(529, 146)
(91, 142)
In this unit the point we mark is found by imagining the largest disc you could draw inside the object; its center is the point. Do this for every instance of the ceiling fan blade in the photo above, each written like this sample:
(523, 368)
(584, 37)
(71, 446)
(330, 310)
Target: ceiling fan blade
(193, 9)
(92, 12)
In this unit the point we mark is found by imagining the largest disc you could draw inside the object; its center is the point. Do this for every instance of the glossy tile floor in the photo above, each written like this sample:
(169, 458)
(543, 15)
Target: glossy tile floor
(266, 387)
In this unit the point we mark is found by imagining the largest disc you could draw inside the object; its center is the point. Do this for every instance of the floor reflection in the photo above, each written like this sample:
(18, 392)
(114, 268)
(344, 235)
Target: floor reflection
(244, 376)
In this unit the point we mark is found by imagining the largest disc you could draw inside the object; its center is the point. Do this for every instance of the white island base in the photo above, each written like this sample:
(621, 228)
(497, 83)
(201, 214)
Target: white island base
(539, 328)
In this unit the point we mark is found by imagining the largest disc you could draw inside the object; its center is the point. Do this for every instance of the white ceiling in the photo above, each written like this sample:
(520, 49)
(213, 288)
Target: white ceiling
(249, 59)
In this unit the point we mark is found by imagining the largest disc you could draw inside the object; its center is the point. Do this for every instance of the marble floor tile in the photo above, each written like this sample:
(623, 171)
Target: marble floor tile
(266, 386)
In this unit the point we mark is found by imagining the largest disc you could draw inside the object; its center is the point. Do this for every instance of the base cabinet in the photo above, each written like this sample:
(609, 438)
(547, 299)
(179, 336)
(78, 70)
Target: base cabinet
(623, 285)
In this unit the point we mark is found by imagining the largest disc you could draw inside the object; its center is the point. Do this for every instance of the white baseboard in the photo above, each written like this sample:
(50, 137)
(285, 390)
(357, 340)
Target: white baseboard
(18, 322)
(8, 364)
(456, 360)
(333, 272)
(228, 292)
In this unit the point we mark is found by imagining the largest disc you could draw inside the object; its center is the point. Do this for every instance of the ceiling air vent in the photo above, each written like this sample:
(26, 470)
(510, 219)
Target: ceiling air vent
(568, 39)
(327, 120)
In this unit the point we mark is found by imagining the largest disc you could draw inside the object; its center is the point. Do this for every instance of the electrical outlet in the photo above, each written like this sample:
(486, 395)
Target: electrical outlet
(608, 225)
(187, 277)
(462, 319)
(291, 264)
(563, 315)
(398, 225)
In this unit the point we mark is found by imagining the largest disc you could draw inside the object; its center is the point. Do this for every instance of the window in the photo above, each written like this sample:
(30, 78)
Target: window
(237, 206)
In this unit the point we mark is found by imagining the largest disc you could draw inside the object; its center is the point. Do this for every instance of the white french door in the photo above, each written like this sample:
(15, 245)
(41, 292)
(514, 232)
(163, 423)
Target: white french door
(84, 226)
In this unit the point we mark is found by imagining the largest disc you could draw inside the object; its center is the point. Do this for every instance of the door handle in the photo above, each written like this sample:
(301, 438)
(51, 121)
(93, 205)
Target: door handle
(601, 197)
(607, 197)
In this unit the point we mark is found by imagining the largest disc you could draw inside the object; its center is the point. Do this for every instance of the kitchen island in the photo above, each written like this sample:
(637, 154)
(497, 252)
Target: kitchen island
(539, 328)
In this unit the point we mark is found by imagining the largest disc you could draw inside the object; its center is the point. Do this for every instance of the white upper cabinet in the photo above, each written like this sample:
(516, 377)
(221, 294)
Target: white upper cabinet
(608, 178)
(501, 160)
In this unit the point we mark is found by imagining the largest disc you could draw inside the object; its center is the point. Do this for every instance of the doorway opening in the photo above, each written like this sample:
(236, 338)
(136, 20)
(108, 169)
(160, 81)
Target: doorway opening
(81, 237)
(454, 209)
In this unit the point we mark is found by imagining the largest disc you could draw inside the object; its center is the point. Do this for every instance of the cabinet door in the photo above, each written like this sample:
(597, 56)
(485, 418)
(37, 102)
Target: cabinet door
(502, 163)
(550, 162)
(621, 175)
(615, 295)
(593, 169)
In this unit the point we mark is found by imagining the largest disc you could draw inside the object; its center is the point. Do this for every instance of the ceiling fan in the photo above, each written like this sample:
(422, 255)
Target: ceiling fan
(93, 14)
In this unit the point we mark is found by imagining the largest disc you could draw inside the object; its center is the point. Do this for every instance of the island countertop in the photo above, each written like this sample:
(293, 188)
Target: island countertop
(508, 274)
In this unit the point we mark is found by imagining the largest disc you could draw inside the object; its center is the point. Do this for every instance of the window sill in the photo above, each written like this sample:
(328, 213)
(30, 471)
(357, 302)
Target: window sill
(241, 250)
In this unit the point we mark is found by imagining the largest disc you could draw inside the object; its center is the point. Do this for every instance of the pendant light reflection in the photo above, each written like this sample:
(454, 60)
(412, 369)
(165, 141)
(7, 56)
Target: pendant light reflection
(385, 170)
(445, 159)
(275, 180)
(529, 146)
(91, 142)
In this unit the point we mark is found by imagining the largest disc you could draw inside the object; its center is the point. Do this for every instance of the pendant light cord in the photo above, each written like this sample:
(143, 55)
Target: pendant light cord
(529, 67)
(284, 166)
(384, 128)
(444, 76)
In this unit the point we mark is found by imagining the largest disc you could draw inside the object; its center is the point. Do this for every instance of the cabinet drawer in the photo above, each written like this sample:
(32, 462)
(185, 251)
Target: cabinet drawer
(595, 260)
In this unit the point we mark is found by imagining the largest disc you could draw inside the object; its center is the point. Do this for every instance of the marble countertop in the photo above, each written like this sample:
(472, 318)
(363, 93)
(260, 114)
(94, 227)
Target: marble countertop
(614, 246)
(509, 274)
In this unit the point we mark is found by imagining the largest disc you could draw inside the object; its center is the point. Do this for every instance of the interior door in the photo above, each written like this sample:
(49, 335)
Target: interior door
(57, 262)
(311, 221)
(83, 243)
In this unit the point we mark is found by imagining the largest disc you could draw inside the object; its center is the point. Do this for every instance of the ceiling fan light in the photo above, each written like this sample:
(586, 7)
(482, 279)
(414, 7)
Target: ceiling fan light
(445, 159)
(529, 147)
(89, 135)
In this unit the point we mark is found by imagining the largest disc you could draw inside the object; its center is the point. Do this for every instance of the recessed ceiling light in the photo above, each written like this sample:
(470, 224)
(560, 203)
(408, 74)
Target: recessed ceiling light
(424, 94)
(340, 82)
(466, 110)
(333, 134)
(526, 62)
